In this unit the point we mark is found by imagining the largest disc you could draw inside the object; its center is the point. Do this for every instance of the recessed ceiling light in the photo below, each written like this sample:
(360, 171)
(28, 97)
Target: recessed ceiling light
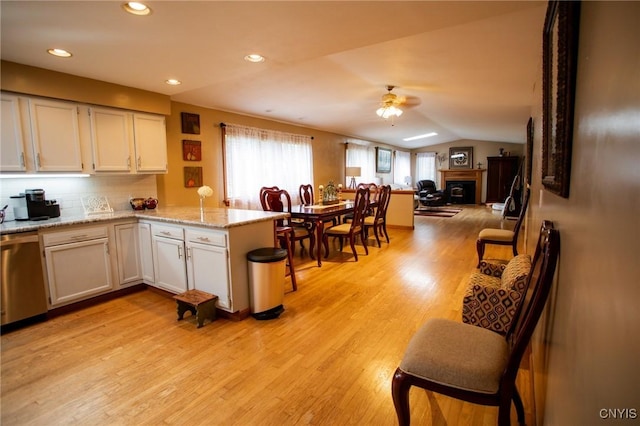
(136, 8)
(254, 57)
(61, 53)
(426, 135)
(173, 82)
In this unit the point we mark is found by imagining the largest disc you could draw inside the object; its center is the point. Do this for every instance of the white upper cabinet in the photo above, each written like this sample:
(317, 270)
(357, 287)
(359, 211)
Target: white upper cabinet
(12, 148)
(55, 135)
(150, 142)
(111, 139)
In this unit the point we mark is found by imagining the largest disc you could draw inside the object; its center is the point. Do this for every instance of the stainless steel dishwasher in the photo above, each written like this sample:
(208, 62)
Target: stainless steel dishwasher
(23, 290)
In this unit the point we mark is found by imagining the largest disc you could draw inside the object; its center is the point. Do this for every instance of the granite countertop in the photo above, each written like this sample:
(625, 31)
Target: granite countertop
(213, 218)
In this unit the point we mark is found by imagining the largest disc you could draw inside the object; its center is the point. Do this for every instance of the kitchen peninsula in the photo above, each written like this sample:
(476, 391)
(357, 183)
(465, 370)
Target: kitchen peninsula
(172, 248)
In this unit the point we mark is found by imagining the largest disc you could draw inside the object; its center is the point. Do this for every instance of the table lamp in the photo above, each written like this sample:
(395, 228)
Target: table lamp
(353, 172)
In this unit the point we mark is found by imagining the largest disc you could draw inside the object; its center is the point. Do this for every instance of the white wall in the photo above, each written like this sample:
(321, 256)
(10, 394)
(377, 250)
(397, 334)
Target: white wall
(587, 349)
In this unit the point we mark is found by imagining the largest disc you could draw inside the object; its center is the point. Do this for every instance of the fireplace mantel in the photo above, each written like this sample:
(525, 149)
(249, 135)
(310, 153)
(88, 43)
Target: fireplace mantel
(464, 174)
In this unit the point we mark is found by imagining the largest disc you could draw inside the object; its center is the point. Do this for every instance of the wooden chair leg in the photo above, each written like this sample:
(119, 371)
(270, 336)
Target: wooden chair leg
(400, 393)
(364, 243)
(375, 233)
(480, 249)
(352, 242)
(517, 402)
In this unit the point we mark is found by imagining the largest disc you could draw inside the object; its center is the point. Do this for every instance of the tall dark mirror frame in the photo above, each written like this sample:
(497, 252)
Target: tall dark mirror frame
(560, 57)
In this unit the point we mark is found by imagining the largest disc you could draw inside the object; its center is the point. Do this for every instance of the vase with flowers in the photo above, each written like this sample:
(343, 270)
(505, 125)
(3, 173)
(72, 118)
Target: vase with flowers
(204, 191)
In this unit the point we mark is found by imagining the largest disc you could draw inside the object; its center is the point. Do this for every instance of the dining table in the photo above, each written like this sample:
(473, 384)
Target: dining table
(319, 214)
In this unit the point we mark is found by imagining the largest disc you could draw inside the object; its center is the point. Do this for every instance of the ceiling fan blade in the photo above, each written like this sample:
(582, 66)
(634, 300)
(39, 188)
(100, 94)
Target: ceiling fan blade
(409, 101)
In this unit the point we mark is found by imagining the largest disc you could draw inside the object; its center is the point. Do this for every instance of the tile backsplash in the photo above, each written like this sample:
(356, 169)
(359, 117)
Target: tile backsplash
(68, 192)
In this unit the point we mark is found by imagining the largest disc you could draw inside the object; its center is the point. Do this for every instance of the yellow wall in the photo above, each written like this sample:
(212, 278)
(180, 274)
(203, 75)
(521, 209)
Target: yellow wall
(328, 153)
(37, 81)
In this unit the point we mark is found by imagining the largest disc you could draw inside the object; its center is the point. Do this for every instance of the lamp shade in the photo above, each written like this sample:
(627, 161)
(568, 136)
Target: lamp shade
(353, 171)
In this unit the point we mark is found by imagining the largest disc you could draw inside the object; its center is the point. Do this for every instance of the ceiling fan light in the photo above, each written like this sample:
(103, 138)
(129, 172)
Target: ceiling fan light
(389, 111)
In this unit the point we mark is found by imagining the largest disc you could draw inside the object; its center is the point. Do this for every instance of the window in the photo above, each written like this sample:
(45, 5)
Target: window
(402, 168)
(426, 166)
(258, 157)
(364, 157)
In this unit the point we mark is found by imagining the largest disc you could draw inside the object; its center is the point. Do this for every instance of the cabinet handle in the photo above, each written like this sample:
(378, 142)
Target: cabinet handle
(38, 160)
(204, 239)
(79, 236)
(165, 232)
(129, 162)
(179, 252)
(188, 253)
(139, 162)
(22, 159)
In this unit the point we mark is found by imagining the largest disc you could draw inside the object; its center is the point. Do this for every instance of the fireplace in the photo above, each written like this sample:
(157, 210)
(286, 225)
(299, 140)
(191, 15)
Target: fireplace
(461, 191)
(464, 175)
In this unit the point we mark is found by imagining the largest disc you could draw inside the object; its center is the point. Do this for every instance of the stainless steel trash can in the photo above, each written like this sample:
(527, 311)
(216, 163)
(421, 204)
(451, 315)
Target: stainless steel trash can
(266, 281)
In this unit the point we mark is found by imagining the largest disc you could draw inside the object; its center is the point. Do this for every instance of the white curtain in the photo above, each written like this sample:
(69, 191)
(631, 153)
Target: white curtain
(362, 156)
(426, 166)
(402, 168)
(258, 157)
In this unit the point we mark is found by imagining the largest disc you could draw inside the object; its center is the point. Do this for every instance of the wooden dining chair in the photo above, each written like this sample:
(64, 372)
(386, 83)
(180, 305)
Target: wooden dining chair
(374, 191)
(279, 200)
(379, 220)
(503, 237)
(353, 229)
(472, 363)
(305, 192)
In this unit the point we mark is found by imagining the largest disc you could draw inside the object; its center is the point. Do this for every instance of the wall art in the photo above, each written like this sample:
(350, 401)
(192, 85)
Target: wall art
(559, 59)
(191, 150)
(190, 123)
(192, 177)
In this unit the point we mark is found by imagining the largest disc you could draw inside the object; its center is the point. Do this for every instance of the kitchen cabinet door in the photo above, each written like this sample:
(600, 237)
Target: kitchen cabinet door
(146, 253)
(207, 268)
(128, 254)
(111, 139)
(150, 136)
(78, 270)
(55, 135)
(12, 148)
(169, 264)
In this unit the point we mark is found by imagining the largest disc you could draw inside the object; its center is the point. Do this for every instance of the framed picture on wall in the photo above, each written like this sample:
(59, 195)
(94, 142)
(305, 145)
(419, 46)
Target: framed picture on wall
(383, 160)
(192, 177)
(559, 60)
(461, 158)
(190, 123)
(191, 150)
(529, 153)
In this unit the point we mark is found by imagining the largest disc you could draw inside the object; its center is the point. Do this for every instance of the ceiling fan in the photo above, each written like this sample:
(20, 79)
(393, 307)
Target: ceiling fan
(390, 104)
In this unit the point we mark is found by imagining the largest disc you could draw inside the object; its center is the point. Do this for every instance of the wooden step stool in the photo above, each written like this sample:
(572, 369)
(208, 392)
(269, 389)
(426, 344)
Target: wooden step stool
(199, 303)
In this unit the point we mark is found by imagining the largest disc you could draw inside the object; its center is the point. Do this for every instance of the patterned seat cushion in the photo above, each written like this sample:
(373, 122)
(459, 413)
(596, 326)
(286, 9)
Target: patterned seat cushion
(493, 294)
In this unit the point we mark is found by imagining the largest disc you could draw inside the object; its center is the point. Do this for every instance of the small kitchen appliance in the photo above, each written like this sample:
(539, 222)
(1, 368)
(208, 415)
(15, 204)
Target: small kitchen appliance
(32, 205)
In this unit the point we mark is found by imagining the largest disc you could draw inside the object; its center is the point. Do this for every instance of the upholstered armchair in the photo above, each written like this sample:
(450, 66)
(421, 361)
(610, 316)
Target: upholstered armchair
(429, 195)
(494, 293)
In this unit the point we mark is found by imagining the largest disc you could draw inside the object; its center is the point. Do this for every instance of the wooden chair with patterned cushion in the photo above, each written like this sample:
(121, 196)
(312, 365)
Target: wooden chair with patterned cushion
(379, 220)
(472, 363)
(503, 237)
(352, 229)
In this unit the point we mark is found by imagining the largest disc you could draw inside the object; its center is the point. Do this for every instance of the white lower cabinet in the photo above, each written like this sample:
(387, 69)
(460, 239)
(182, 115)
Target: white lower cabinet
(187, 258)
(146, 253)
(78, 264)
(128, 254)
(169, 258)
(208, 264)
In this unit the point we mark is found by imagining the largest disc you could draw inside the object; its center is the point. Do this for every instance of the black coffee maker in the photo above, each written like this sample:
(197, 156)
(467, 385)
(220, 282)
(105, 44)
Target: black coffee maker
(38, 208)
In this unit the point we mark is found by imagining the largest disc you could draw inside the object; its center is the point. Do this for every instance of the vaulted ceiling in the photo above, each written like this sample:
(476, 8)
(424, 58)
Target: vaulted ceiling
(470, 66)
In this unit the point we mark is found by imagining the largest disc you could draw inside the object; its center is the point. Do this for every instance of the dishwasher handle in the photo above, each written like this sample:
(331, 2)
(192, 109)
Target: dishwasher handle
(15, 239)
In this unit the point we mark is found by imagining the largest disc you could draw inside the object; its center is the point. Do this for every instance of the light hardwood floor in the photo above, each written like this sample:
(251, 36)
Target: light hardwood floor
(328, 359)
